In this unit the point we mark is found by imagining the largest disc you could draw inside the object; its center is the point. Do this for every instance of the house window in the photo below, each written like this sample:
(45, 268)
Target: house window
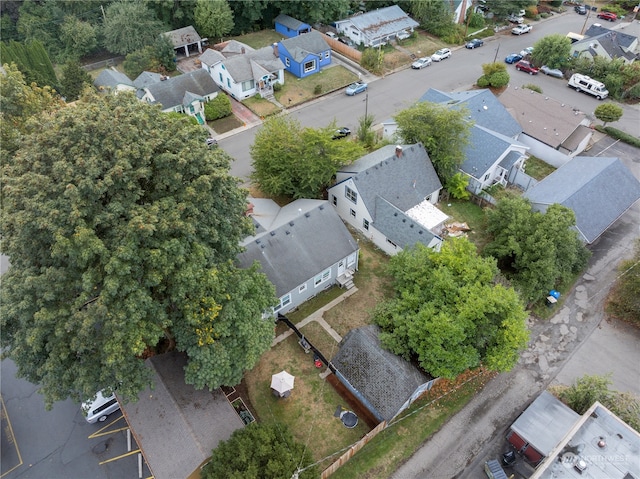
(302, 288)
(353, 213)
(287, 62)
(285, 300)
(221, 79)
(309, 66)
(248, 85)
(365, 224)
(352, 195)
(327, 54)
(334, 200)
(486, 177)
(392, 243)
(322, 277)
(228, 82)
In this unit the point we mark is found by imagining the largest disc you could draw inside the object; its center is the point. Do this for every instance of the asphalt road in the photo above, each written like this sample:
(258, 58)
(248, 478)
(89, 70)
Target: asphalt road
(394, 92)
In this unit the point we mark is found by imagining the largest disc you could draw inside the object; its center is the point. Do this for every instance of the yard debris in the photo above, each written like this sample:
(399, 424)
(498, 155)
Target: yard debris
(457, 229)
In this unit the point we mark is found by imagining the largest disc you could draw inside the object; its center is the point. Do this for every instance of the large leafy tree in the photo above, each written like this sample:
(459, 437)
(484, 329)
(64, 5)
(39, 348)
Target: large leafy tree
(434, 16)
(538, 251)
(443, 131)
(608, 112)
(260, 451)
(214, 18)
(78, 38)
(289, 160)
(449, 313)
(552, 50)
(503, 8)
(176, 13)
(624, 301)
(313, 12)
(129, 26)
(122, 227)
(250, 15)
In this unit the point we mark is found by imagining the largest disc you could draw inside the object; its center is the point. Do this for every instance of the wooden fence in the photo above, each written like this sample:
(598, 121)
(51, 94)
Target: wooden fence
(342, 460)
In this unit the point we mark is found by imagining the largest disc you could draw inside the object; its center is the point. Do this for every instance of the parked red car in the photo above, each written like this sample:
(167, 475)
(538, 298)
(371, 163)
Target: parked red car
(612, 17)
(526, 67)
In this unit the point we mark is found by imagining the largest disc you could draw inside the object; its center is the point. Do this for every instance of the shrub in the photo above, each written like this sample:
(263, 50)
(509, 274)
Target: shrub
(483, 81)
(621, 135)
(217, 108)
(531, 86)
(277, 86)
(317, 89)
(372, 60)
(499, 79)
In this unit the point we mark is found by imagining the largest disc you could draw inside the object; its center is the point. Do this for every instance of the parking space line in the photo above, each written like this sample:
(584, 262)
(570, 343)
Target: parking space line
(126, 454)
(101, 432)
(8, 430)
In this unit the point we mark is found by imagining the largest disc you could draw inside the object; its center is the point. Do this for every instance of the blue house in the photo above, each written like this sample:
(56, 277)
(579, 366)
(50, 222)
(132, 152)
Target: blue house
(304, 55)
(290, 27)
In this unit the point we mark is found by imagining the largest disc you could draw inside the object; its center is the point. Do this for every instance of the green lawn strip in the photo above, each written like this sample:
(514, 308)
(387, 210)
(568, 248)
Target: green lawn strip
(259, 39)
(470, 213)
(390, 448)
(538, 169)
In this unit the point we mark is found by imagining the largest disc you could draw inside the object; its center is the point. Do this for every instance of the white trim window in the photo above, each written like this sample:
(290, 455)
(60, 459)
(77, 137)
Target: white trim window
(322, 277)
(309, 66)
(302, 288)
(351, 195)
(284, 301)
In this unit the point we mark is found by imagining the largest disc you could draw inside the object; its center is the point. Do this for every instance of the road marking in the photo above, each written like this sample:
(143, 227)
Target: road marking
(101, 432)
(8, 430)
(126, 454)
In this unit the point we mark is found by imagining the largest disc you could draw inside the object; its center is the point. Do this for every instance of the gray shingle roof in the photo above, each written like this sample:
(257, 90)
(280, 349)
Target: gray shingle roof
(484, 148)
(302, 45)
(244, 67)
(384, 379)
(623, 39)
(183, 36)
(112, 78)
(175, 425)
(598, 190)
(171, 92)
(545, 422)
(211, 57)
(305, 238)
(383, 22)
(289, 22)
(403, 182)
(146, 79)
(398, 227)
(483, 108)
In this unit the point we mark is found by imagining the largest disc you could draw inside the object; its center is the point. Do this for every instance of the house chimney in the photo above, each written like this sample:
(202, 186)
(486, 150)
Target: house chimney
(398, 151)
(275, 50)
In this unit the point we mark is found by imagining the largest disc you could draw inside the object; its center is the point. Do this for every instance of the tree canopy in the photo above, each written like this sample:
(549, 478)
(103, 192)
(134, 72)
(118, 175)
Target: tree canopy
(74, 80)
(297, 162)
(214, 18)
(122, 228)
(538, 251)
(624, 300)
(443, 131)
(129, 26)
(260, 451)
(608, 112)
(449, 313)
(552, 50)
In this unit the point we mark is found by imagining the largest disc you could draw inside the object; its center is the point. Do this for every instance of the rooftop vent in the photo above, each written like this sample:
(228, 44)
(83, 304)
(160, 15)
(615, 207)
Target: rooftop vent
(290, 223)
(580, 465)
(307, 214)
(273, 233)
(398, 151)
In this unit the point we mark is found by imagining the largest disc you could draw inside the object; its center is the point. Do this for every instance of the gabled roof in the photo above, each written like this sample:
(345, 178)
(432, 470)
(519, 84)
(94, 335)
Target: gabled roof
(598, 190)
(403, 181)
(384, 379)
(483, 150)
(399, 227)
(246, 66)
(302, 45)
(211, 57)
(608, 42)
(483, 108)
(296, 242)
(175, 425)
(183, 36)
(234, 47)
(545, 422)
(623, 39)
(290, 22)
(382, 22)
(171, 92)
(540, 117)
(146, 79)
(110, 78)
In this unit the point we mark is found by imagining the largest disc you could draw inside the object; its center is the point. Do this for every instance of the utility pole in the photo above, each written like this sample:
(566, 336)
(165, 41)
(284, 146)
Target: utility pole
(496, 57)
(366, 105)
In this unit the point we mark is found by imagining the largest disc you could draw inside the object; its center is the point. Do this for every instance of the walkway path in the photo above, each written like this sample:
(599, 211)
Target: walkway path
(317, 316)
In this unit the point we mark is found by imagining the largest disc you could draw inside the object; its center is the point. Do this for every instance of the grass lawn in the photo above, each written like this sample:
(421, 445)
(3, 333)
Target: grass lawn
(259, 39)
(299, 90)
(470, 213)
(538, 169)
(261, 107)
(222, 125)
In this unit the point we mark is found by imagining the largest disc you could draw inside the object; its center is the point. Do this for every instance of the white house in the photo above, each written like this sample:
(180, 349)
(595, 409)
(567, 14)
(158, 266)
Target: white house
(390, 195)
(377, 27)
(242, 71)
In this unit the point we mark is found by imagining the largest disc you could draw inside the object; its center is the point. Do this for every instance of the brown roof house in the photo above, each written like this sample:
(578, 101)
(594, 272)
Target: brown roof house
(185, 40)
(553, 131)
(175, 425)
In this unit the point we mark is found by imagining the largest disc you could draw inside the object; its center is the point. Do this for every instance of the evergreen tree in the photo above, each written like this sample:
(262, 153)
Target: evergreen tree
(74, 80)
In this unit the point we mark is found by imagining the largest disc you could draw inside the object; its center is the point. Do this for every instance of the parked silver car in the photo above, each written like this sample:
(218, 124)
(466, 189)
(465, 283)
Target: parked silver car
(552, 72)
(420, 63)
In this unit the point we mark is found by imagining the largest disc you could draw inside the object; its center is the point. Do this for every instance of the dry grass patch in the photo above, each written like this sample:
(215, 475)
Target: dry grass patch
(299, 90)
(261, 107)
(309, 410)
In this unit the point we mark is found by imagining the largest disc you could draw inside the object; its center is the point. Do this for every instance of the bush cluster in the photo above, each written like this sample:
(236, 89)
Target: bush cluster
(619, 135)
(217, 108)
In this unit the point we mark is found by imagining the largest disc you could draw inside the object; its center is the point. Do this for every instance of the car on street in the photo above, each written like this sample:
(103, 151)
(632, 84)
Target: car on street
(441, 54)
(526, 51)
(475, 43)
(523, 66)
(341, 133)
(420, 63)
(513, 58)
(99, 408)
(581, 9)
(355, 88)
(520, 29)
(612, 17)
(552, 72)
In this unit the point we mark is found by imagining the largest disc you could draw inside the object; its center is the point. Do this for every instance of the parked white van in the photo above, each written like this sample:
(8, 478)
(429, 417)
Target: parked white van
(588, 85)
(100, 407)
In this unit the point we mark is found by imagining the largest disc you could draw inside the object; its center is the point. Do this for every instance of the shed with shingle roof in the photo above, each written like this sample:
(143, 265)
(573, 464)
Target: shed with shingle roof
(289, 26)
